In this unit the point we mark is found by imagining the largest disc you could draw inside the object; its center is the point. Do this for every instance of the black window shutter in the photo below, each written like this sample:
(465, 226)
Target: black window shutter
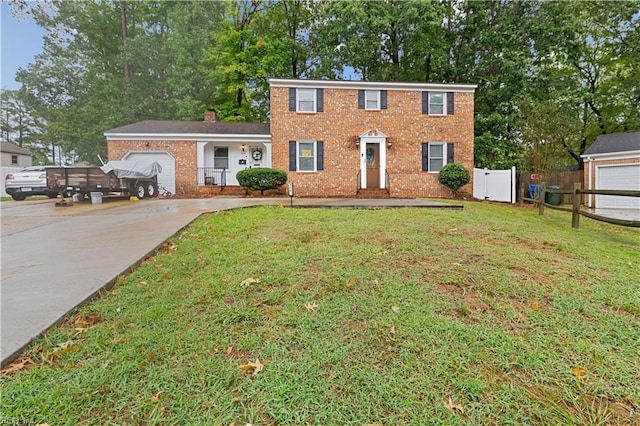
(425, 102)
(425, 157)
(292, 156)
(319, 155)
(292, 99)
(360, 99)
(383, 99)
(450, 156)
(450, 107)
(319, 100)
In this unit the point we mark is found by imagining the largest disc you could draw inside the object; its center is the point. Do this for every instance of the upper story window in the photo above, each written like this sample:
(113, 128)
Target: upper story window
(438, 103)
(306, 100)
(14, 159)
(372, 100)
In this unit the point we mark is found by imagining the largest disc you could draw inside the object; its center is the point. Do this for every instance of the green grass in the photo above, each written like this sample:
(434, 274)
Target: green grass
(493, 307)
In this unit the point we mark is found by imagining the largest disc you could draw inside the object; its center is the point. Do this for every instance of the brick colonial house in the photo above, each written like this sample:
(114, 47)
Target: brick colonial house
(334, 138)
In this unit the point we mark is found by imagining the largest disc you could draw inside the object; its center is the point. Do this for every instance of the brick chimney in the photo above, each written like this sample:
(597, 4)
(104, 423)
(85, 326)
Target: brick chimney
(210, 115)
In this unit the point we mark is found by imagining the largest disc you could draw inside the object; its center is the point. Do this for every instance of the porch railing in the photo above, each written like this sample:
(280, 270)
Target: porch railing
(212, 176)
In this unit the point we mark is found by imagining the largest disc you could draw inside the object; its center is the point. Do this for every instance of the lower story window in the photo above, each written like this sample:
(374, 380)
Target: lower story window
(306, 157)
(14, 159)
(221, 157)
(436, 156)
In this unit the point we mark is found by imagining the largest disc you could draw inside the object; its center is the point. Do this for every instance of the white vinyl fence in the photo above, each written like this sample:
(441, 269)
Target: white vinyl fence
(3, 172)
(495, 185)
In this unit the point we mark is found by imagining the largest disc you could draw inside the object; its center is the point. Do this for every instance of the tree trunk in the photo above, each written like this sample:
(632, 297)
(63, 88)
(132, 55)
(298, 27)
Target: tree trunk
(125, 35)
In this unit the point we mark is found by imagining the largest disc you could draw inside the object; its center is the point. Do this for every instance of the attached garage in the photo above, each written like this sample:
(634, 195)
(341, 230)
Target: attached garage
(166, 179)
(613, 162)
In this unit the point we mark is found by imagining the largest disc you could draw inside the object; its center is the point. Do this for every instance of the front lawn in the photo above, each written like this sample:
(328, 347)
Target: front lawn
(279, 316)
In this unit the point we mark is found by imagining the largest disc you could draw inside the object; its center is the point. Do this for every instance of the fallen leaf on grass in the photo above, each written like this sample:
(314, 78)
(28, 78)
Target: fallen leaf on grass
(256, 366)
(452, 407)
(535, 306)
(17, 365)
(143, 364)
(311, 307)
(249, 281)
(579, 373)
(80, 330)
(393, 330)
(229, 350)
(156, 397)
(395, 309)
(88, 320)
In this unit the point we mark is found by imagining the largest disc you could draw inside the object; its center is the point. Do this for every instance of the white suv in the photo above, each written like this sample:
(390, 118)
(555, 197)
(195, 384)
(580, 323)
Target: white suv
(28, 181)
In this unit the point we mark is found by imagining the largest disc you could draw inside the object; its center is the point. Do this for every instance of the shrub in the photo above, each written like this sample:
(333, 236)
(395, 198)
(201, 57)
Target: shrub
(261, 178)
(454, 176)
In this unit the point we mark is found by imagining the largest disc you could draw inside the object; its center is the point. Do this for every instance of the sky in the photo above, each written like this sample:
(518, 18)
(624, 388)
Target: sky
(20, 42)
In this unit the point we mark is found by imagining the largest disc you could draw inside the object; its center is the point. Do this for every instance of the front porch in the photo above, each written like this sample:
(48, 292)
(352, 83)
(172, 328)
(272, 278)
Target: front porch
(219, 161)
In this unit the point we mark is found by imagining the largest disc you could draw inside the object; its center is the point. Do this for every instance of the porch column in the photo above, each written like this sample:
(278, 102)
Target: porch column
(200, 160)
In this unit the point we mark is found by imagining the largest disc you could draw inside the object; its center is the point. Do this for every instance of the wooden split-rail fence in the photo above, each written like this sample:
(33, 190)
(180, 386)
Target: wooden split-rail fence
(576, 207)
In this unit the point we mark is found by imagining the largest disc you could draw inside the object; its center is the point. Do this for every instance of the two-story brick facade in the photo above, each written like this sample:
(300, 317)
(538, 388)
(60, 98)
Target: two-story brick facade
(338, 137)
(334, 138)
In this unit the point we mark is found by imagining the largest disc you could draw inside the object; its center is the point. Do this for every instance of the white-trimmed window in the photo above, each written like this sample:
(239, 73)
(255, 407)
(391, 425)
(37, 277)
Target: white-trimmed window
(221, 157)
(306, 100)
(372, 99)
(437, 104)
(435, 155)
(306, 156)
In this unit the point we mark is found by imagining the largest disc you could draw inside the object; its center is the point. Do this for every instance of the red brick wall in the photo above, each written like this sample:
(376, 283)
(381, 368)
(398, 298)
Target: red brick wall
(342, 122)
(184, 153)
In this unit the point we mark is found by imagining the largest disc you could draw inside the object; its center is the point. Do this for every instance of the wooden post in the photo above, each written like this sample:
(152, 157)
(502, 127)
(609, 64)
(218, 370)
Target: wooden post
(541, 199)
(575, 217)
(520, 191)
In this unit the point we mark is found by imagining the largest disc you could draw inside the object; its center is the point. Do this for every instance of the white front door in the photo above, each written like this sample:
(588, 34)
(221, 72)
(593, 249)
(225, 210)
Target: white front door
(373, 159)
(257, 156)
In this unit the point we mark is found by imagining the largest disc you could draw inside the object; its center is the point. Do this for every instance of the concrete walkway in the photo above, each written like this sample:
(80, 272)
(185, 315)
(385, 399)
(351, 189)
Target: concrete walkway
(56, 258)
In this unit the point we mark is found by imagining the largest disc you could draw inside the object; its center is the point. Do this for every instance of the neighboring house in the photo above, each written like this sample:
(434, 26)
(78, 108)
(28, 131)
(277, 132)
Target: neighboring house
(334, 138)
(14, 156)
(613, 162)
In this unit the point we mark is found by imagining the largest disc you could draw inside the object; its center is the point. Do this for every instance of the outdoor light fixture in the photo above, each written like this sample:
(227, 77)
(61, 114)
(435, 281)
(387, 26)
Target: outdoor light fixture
(357, 143)
(243, 148)
(389, 145)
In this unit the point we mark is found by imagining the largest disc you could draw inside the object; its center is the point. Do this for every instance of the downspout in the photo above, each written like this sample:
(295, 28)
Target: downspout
(589, 182)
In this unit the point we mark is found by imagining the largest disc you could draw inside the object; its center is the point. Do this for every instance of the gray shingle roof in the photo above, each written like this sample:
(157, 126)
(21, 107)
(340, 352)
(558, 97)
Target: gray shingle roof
(193, 127)
(615, 142)
(13, 148)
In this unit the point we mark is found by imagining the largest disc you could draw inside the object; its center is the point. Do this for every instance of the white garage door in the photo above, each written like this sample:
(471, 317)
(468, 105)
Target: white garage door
(166, 179)
(626, 177)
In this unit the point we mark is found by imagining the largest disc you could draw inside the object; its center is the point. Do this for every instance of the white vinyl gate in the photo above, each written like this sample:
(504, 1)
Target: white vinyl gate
(495, 185)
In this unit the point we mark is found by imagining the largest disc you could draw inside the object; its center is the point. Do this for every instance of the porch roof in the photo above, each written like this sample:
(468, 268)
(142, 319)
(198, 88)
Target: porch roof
(183, 128)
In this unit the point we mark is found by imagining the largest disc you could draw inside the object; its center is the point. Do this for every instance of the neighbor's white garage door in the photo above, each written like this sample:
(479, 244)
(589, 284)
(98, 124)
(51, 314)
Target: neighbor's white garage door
(166, 179)
(625, 177)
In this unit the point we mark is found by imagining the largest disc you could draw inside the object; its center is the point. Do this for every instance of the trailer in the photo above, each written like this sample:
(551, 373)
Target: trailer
(116, 178)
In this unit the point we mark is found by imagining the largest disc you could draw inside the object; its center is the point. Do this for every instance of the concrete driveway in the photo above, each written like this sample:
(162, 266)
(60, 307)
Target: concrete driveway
(55, 258)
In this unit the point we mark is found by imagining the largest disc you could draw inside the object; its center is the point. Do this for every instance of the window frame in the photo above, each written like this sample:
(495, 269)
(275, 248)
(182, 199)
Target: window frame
(443, 159)
(215, 157)
(314, 156)
(14, 159)
(444, 103)
(314, 99)
(367, 99)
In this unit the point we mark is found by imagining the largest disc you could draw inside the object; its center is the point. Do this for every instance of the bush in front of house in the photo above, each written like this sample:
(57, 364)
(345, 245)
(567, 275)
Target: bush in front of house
(454, 176)
(261, 178)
